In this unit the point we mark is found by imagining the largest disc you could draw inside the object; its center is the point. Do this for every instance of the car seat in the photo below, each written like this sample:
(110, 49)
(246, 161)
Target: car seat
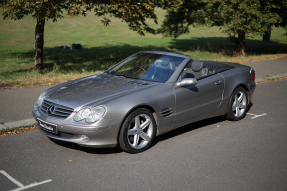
(164, 69)
(198, 69)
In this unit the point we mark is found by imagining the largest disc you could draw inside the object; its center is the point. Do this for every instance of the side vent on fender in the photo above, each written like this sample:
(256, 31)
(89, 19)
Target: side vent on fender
(166, 112)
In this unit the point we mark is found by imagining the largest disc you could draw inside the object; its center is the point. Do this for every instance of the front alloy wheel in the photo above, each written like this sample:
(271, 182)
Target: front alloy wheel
(138, 131)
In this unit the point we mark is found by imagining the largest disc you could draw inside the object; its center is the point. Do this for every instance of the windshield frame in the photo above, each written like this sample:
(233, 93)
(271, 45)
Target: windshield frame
(145, 66)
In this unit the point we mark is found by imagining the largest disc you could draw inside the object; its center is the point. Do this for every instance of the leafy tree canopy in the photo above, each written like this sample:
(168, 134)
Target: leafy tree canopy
(237, 18)
(133, 12)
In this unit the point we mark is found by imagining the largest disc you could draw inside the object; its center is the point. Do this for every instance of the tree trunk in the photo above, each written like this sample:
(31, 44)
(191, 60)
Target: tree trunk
(39, 44)
(241, 43)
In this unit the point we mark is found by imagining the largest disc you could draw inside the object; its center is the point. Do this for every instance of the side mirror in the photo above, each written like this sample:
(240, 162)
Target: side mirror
(186, 82)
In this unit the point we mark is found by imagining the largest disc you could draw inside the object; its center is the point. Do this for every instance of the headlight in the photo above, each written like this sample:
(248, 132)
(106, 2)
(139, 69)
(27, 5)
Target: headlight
(90, 115)
(40, 99)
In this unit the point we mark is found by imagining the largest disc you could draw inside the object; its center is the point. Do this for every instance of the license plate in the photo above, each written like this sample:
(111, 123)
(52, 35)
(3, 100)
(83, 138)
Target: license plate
(47, 126)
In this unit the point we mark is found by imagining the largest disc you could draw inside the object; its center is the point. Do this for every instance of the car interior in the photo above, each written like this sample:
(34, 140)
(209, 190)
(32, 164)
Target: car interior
(197, 70)
(163, 69)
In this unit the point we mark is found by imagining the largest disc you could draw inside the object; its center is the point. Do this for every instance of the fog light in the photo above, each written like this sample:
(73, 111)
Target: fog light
(85, 137)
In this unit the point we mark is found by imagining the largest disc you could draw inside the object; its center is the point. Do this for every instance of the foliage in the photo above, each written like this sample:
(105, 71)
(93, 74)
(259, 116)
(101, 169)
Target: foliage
(43, 9)
(134, 13)
(237, 18)
(181, 16)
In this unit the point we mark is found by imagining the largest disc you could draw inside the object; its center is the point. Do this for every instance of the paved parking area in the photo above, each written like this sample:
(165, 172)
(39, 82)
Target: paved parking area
(212, 154)
(19, 184)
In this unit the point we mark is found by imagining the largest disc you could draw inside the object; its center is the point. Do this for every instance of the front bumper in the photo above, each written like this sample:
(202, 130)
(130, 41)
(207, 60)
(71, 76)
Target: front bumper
(103, 133)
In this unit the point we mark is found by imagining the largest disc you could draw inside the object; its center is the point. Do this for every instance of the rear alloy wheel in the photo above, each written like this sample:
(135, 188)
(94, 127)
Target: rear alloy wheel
(138, 131)
(238, 103)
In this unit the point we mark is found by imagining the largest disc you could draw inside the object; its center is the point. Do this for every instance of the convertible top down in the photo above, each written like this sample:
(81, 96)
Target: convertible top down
(143, 96)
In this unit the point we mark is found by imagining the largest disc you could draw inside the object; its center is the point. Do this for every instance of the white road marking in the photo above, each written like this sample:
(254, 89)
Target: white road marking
(255, 116)
(21, 186)
(32, 185)
(11, 178)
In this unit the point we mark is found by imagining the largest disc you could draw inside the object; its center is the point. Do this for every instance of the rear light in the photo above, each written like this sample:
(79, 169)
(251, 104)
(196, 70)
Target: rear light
(253, 75)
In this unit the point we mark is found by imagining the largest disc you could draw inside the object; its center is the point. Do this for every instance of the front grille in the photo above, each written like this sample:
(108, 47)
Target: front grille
(52, 109)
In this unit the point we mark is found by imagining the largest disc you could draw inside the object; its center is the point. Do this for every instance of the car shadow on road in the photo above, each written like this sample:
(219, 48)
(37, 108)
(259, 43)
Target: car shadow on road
(98, 151)
(192, 126)
(249, 107)
(188, 128)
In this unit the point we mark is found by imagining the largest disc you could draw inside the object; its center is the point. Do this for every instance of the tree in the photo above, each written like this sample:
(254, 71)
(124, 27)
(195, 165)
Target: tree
(42, 11)
(237, 18)
(132, 12)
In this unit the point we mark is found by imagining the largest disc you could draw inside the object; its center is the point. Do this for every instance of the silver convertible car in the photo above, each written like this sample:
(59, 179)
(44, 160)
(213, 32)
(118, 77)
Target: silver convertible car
(143, 96)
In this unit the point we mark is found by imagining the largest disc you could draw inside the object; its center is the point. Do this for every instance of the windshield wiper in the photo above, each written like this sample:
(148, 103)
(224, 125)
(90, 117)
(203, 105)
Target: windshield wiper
(126, 76)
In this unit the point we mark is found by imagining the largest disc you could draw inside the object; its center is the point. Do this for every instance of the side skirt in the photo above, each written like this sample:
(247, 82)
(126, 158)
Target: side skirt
(209, 115)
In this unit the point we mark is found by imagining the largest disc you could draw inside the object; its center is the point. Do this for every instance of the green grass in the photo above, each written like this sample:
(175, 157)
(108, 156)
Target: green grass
(104, 46)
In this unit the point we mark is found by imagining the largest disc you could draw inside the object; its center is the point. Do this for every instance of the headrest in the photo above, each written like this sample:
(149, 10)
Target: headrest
(164, 61)
(197, 66)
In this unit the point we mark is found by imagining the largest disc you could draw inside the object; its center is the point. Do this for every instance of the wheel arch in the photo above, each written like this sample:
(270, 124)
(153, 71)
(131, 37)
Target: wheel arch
(246, 89)
(244, 86)
(228, 115)
(143, 106)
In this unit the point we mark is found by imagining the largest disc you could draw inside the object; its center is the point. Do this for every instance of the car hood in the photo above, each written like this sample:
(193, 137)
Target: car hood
(95, 89)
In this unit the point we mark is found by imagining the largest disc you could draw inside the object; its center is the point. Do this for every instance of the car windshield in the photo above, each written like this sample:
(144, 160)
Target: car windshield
(148, 66)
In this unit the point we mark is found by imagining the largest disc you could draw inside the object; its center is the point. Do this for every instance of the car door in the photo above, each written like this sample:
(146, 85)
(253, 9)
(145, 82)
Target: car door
(202, 98)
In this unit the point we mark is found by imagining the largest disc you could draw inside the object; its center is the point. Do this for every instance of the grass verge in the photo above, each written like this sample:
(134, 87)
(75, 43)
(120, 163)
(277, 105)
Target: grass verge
(14, 131)
(272, 80)
(105, 46)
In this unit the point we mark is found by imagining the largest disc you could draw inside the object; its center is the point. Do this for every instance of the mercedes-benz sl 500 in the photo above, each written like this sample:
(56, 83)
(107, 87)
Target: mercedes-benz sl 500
(141, 97)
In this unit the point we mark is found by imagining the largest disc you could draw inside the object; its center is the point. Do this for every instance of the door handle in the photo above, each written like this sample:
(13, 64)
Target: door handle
(218, 82)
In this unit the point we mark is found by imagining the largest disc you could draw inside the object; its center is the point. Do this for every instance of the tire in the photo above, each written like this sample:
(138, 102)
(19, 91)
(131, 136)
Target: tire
(135, 138)
(238, 103)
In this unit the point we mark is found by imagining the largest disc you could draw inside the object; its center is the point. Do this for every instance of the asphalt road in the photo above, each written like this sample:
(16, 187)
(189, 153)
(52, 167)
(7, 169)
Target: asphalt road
(213, 154)
(17, 104)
